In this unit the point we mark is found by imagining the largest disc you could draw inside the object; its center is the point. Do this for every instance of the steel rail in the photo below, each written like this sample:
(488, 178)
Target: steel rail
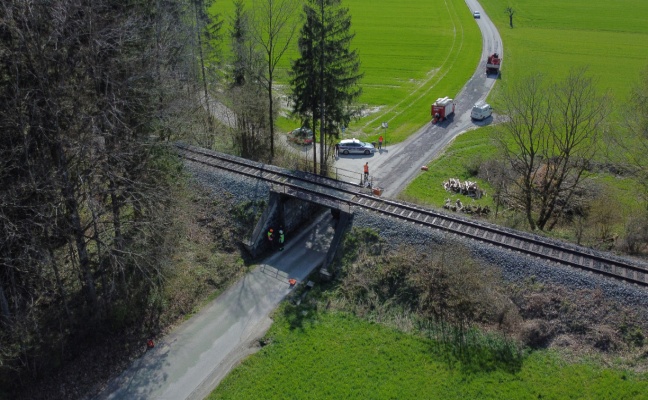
(524, 243)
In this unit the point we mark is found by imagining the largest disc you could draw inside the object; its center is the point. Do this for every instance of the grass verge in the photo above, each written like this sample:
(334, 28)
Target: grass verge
(336, 355)
(460, 160)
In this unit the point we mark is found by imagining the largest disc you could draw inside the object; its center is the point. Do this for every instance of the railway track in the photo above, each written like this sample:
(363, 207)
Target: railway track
(353, 195)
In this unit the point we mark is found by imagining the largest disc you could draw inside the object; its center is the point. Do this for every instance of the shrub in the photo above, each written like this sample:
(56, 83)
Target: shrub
(536, 333)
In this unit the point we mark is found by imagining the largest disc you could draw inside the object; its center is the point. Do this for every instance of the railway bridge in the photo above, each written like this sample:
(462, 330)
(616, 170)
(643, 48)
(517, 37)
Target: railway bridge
(295, 196)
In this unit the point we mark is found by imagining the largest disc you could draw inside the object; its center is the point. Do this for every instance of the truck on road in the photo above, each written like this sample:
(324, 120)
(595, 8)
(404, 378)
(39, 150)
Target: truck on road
(442, 108)
(493, 63)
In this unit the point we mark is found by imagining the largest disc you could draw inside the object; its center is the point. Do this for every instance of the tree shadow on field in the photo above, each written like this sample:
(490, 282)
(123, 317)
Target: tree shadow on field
(300, 315)
(472, 351)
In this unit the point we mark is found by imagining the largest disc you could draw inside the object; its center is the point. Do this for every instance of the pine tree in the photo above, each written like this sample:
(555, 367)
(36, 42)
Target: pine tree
(239, 33)
(326, 76)
(208, 34)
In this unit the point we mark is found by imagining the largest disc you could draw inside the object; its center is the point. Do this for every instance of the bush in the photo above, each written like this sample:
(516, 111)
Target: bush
(536, 333)
(635, 235)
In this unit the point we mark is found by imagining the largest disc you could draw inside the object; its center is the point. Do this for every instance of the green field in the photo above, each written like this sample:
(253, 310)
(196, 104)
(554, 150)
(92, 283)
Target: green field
(336, 356)
(418, 51)
(458, 161)
(610, 39)
(412, 52)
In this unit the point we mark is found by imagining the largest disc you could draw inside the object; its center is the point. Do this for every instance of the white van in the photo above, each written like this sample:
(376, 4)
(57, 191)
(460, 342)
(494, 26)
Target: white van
(481, 111)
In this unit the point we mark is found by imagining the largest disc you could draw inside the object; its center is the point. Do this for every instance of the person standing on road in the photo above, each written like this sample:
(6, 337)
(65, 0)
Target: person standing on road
(281, 239)
(271, 237)
(337, 149)
(380, 140)
(366, 171)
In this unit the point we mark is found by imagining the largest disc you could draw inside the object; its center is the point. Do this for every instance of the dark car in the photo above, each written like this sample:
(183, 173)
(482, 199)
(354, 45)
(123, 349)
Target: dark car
(354, 146)
(303, 136)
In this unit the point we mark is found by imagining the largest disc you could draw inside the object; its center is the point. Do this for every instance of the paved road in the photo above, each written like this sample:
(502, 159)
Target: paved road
(396, 166)
(191, 361)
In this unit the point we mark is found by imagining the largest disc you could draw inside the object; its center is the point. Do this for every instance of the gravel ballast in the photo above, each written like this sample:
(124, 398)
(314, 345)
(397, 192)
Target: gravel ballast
(515, 267)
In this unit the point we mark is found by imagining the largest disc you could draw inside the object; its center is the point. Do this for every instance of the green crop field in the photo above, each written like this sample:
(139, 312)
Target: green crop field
(336, 356)
(418, 51)
(412, 52)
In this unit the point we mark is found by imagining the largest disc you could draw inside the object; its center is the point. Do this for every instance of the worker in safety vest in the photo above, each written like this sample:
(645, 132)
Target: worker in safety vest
(281, 239)
(271, 237)
(366, 171)
(380, 140)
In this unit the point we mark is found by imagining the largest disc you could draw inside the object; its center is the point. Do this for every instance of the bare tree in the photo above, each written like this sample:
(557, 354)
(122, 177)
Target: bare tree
(273, 30)
(510, 11)
(250, 106)
(633, 142)
(522, 138)
(549, 141)
(247, 93)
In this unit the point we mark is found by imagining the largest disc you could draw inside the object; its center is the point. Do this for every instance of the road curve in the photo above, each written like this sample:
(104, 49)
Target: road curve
(396, 166)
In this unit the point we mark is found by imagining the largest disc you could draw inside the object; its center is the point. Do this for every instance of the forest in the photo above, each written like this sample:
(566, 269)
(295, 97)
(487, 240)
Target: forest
(90, 91)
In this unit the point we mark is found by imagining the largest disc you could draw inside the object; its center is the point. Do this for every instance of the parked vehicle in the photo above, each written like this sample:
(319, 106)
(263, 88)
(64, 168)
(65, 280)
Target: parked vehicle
(303, 136)
(493, 63)
(481, 111)
(355, 146)
(442, 109)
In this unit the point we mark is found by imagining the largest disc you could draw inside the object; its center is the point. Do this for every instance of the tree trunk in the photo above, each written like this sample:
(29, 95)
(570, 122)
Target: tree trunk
(202, 69)
(321, 106)
(4, 306)
(271, 116)
(528, 203)
(59, 284)
(72, 206)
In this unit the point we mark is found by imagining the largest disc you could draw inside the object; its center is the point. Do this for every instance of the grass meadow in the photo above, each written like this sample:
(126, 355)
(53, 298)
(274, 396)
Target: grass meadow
(412, 52)
(610, 39)
(336, 356)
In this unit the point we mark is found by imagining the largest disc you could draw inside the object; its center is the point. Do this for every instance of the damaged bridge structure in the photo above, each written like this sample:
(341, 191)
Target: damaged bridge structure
(293, 198)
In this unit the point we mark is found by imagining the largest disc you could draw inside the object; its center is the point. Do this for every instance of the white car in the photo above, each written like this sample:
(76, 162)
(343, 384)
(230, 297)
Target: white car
(354, 146)
(476, 14)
